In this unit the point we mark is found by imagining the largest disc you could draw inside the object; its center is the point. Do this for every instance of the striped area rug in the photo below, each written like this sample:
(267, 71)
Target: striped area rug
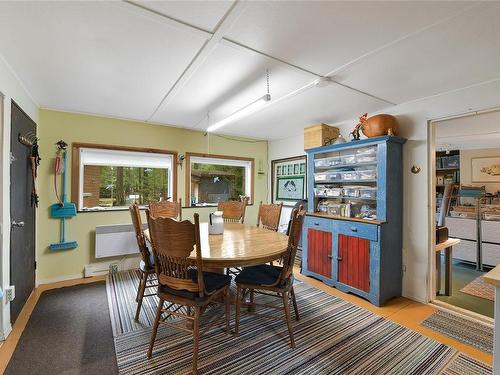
(332, 337)
(121, 289)
(480, 288)
(468, 331)
(465, 365)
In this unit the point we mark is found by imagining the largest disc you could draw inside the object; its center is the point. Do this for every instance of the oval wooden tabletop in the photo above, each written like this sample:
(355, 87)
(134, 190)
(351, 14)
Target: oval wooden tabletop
(240, 246)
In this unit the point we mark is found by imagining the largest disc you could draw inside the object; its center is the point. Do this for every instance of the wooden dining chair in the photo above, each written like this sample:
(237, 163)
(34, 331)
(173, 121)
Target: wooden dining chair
(182, 281)
(272, 281)
(146, 265)
(269, 216)
(166, 209)
(233, 211)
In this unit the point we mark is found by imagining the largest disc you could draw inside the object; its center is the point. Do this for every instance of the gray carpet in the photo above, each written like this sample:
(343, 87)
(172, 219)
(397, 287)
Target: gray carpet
(69, 332)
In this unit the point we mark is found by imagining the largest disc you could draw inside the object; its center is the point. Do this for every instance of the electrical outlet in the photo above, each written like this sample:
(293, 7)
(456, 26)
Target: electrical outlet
(113, 268)
(10, 293)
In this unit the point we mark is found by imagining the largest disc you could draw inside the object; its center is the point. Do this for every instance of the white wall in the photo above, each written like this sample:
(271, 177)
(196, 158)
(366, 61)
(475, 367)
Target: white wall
(413, 118)
(12, 89)
(284, 148)
(466, 157)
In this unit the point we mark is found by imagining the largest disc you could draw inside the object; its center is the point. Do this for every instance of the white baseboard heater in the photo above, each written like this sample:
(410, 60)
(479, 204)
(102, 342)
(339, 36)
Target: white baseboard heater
(115, 240)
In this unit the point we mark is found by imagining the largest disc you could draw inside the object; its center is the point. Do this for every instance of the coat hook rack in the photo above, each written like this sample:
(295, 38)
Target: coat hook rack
(28, 140)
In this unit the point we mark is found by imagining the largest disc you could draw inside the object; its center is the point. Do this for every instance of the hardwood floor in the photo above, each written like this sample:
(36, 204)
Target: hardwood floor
(403, 311)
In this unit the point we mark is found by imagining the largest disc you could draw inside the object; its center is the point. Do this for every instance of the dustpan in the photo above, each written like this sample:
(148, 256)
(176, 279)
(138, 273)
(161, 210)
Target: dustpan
(62, 210)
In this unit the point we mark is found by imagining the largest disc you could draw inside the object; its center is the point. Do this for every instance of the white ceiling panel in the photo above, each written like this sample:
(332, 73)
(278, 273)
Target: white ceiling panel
(202, 14)
(229, 79)
(469, 132)
(331, 104)
(454, 54)
(95, 57)
(324, 35)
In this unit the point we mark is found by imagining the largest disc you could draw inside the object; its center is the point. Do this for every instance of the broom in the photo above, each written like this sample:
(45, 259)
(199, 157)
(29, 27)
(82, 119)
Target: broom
(62, 210)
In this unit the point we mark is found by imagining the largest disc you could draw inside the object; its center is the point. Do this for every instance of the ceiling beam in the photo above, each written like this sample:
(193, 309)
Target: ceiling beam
(145, 11)
(222, 27)
(299, 69)
(217, 36)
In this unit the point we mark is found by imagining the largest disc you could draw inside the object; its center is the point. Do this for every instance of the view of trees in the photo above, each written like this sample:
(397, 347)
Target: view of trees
(120, 186)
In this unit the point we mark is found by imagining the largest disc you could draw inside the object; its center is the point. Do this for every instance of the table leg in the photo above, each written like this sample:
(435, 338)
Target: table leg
(447, 282)
(438, 271)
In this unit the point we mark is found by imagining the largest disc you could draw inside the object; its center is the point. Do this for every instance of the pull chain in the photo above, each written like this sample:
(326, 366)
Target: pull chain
(267, 80)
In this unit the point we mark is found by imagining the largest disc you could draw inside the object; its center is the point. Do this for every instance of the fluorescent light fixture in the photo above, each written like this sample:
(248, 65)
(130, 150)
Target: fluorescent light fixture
(243, 112)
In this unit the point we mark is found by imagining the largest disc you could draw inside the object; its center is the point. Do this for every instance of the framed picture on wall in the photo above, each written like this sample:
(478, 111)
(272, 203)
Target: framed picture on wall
(485, 169)
(288, 180)
(290, 188)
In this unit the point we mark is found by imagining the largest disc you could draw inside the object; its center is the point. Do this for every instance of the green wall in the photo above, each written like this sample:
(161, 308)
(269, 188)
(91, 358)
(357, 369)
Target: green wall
(70, 127)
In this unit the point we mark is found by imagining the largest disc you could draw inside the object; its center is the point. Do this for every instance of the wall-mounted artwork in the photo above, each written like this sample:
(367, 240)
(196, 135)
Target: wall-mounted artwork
(290, 188)
(288, 180)
(485, 169)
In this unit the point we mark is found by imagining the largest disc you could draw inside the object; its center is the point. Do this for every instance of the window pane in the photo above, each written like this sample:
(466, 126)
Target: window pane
(108, 186)
(212, 183)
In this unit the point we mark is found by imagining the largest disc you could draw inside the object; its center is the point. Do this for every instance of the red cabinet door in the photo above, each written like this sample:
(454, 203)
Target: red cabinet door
(354, 262)
(319, 252)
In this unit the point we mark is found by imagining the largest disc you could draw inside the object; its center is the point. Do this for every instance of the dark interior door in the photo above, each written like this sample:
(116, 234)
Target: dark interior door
(22, 213)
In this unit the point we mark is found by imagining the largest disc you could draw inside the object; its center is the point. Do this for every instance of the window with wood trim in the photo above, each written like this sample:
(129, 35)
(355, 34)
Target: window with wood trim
(113, 177)
(215, 178)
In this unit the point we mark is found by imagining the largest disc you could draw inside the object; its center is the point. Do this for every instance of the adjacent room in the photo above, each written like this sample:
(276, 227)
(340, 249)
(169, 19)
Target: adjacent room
(249, 187)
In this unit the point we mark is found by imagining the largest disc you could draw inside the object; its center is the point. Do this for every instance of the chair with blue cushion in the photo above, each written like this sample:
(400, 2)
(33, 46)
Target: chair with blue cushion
(271, 280)
(181, 279)
(146, 265)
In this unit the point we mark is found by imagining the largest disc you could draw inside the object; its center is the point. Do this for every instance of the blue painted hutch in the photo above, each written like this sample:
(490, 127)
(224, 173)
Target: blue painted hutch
(352, 235)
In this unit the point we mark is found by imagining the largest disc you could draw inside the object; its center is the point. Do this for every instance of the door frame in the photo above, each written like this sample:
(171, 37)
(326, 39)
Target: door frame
(431, 153)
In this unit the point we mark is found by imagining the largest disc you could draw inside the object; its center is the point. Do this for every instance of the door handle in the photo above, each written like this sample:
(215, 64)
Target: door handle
(329, 256)
(339, 259)
(19, 224)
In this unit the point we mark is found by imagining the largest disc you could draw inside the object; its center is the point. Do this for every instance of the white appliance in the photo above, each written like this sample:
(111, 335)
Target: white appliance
(115, 240)
(215, 223)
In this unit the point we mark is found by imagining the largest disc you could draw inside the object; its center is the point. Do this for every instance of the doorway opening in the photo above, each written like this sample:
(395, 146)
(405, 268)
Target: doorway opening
(465, 183)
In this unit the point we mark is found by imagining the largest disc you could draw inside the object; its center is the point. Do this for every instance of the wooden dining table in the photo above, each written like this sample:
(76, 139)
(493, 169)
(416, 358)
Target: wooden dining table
(240, 245)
